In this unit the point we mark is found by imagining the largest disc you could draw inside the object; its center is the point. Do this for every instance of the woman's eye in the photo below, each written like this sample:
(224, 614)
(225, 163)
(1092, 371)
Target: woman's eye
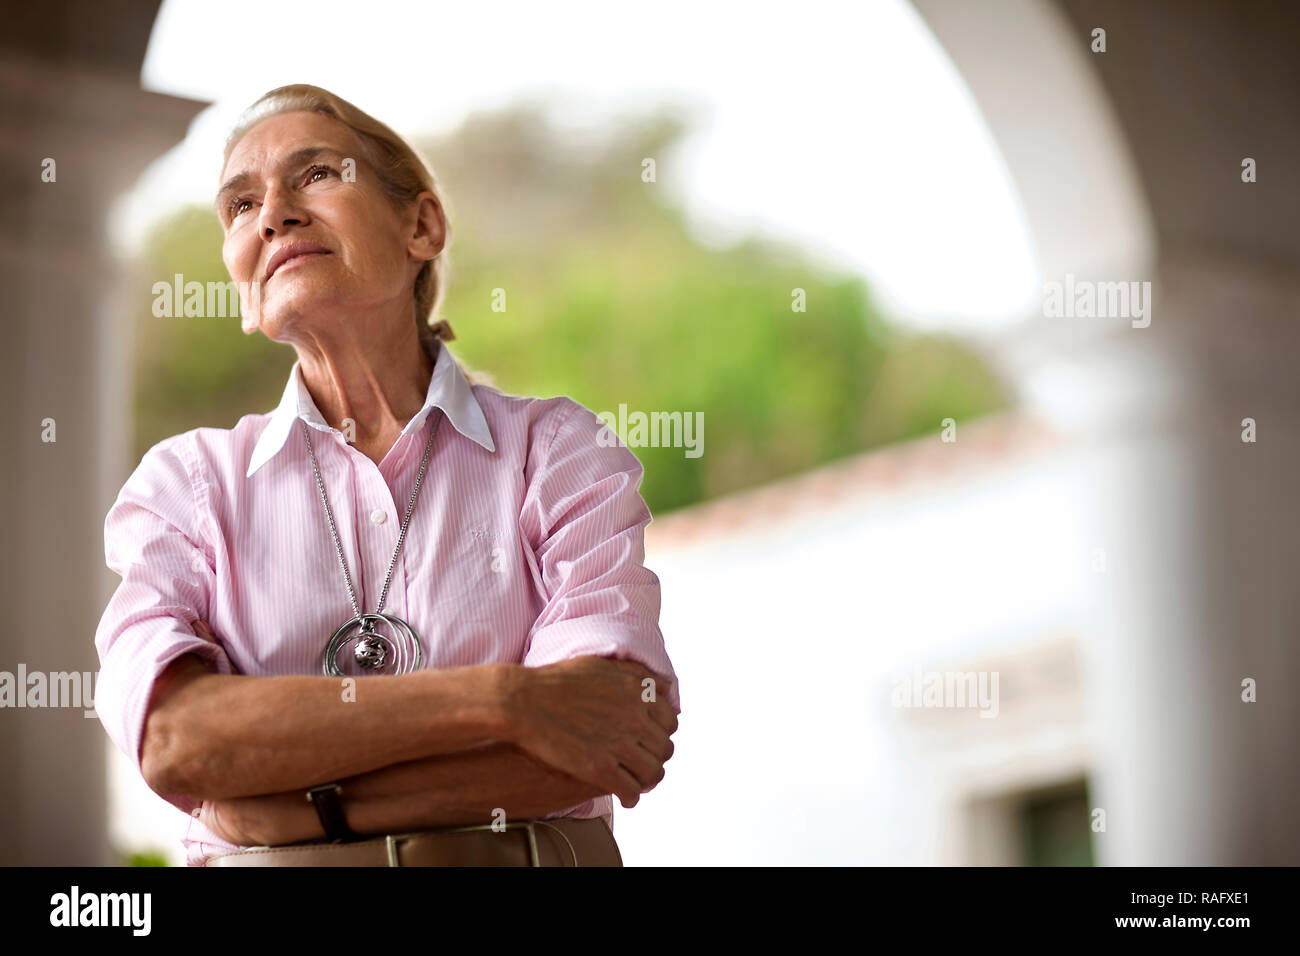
(237, 205)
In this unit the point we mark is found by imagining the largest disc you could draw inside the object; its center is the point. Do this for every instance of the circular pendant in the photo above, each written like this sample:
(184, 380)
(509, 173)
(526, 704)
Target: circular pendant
(395, 652)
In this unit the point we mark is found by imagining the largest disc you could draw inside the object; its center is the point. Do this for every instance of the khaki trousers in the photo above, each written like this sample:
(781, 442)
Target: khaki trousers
(560, 842)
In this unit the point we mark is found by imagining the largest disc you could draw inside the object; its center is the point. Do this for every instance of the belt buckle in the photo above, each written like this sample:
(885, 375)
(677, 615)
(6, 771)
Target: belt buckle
(534, 857)
(532, 826)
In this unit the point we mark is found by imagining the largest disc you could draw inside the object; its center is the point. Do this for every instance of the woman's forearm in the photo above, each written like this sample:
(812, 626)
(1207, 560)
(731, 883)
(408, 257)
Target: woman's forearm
(454, 790)
(213, 736)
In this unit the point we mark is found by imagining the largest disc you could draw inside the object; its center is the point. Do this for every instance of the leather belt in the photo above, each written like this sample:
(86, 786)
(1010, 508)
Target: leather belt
(564, 841)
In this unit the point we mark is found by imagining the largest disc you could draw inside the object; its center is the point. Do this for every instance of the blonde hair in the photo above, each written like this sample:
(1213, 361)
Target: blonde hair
(402, 173)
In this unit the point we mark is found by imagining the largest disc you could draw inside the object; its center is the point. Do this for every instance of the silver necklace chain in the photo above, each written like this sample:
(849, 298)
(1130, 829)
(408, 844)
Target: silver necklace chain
(410, 507)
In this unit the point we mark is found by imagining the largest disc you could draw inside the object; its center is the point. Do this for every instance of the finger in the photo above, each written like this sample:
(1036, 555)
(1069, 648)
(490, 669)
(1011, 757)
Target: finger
(663, 714)
(604, 773)
(628, 789)
(641, 764)
(656, 740)
(658, 776)
(663, 749)
(616, 780)
(206, 815)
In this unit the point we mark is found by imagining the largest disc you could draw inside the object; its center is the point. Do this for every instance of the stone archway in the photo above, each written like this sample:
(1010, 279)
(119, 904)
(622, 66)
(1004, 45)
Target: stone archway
(1129, 164)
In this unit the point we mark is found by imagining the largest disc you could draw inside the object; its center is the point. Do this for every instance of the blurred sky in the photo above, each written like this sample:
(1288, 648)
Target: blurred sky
(842, 127)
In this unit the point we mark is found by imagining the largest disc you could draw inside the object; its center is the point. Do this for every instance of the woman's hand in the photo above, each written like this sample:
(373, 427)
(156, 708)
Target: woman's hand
(272, 819)
(222, 818)
(590, 718)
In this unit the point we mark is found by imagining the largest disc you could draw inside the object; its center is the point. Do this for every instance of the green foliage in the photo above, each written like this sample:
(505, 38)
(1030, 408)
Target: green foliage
(609, 299)
(146, 858)
(196, 371)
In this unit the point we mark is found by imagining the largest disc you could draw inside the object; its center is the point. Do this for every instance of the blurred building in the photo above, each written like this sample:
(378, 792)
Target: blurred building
(1133, 586)
(800, 617)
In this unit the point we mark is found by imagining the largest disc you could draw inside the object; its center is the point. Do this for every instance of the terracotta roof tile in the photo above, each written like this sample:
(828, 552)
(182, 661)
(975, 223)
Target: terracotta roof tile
(982, 446)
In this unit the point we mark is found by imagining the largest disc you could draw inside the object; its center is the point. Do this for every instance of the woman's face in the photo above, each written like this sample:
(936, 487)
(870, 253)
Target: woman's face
(352, 253)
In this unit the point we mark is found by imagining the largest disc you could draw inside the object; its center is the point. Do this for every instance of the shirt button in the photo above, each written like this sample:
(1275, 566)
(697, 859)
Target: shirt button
(379, 516)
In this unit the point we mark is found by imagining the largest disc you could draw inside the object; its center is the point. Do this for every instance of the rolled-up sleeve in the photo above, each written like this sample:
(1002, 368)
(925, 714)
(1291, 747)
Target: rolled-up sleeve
(585, 515)
(153, 540)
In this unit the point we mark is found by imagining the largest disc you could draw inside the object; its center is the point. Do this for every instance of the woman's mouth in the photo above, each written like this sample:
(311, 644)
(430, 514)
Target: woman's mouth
(291, 252)
(290, 263)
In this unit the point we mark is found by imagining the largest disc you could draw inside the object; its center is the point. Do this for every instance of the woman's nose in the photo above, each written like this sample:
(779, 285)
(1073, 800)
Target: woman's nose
(280, 212)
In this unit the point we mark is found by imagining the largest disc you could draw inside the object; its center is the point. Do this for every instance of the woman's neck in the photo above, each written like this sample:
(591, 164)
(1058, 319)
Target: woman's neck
(377, 384)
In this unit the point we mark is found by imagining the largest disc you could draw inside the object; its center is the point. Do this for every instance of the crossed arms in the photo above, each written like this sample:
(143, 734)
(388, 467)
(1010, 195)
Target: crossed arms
(429, 749)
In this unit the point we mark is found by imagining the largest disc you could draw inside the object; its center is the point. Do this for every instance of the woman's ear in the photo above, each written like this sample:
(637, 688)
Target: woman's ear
(430, 233)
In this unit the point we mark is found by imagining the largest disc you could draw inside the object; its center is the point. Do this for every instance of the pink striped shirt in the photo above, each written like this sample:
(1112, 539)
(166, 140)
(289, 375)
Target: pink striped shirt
(525, 546)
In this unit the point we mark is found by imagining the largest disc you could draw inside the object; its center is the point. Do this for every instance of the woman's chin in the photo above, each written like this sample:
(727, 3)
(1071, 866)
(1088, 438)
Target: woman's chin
(285, 308)
(279, 325)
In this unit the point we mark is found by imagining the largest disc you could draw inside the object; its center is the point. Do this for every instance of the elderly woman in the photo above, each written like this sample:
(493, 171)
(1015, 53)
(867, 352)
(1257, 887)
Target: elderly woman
(402, 619)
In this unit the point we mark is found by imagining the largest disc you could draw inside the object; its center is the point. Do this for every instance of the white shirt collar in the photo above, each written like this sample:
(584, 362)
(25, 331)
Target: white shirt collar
(448, 390)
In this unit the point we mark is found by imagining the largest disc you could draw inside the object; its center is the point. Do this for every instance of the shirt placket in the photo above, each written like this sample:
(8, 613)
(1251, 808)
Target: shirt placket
(378, 522)
(393, 492)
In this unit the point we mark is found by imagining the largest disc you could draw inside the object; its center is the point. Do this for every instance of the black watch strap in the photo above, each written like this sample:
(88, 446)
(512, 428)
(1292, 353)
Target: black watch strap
(329, 807)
